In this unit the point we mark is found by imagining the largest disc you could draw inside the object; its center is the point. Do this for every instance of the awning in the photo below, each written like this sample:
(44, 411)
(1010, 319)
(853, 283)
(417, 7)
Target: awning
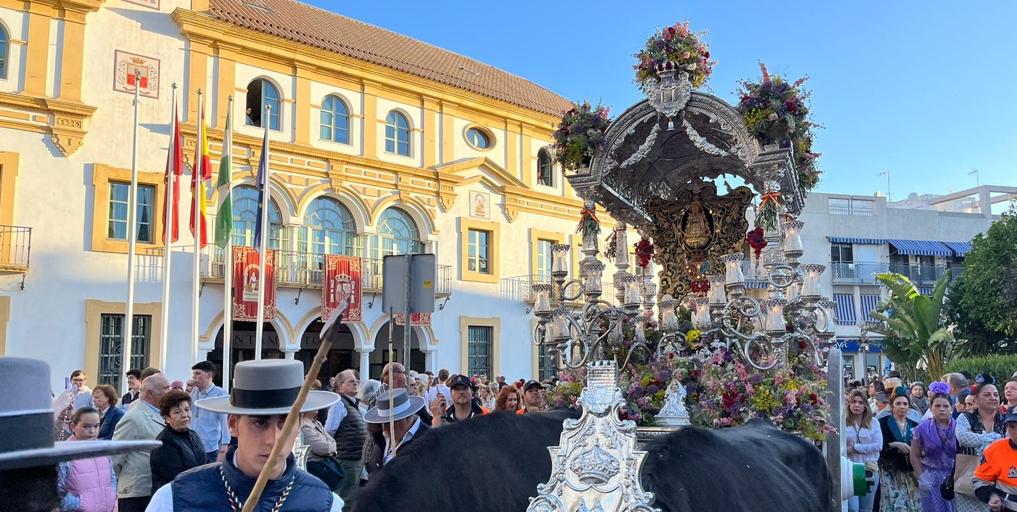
(845, 311)
(859, 241)
(869, 303)
(854, 346)
(921, 248)
(959, 248)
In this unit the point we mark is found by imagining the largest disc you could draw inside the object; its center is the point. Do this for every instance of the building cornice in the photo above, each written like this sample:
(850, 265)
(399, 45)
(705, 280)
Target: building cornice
(66, 122)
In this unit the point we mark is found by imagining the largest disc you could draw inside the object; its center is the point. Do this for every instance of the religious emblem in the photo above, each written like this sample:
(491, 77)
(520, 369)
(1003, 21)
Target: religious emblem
(133, 71)
(251, 282)
(696, 232)
(1013, 472)
(479, 205)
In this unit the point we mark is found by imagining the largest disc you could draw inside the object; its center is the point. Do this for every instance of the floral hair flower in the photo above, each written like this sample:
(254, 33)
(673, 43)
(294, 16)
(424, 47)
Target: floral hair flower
(938, 388)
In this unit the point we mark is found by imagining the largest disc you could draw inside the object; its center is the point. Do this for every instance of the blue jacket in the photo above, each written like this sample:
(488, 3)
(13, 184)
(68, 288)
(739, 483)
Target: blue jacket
(109, 422)
(202, 489)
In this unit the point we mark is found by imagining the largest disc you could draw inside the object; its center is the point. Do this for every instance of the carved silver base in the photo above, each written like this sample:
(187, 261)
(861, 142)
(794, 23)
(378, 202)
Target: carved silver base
(595, 467)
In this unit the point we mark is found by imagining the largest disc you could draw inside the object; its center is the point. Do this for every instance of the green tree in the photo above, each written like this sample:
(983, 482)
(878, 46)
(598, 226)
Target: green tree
(973, 337)
(987, 302)
(914, 326)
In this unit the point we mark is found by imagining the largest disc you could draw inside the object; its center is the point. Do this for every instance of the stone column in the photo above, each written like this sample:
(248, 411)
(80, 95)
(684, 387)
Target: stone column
(288, 353)
(365, 363)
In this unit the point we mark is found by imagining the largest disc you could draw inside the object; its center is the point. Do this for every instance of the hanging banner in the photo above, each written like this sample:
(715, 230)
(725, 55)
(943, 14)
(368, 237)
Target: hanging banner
(343, 281)
(416, 319)
(246, 282)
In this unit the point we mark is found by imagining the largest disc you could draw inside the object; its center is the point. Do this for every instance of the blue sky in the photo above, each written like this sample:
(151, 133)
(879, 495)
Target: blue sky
(922, 89)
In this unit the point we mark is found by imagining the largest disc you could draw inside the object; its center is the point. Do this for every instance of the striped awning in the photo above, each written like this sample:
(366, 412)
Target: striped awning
(869, 303)
(859, 241)
(921, 248)
(925, 290)
(854, 346)
(959, 248)
(845, 308)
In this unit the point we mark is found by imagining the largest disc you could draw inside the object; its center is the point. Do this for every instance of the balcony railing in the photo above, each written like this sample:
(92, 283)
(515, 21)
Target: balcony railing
(295, 269)
(520, 288)
(862, 272)
(15, 248)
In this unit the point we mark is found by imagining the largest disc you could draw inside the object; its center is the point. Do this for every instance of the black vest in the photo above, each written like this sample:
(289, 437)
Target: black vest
(352, 432)
(201, 489)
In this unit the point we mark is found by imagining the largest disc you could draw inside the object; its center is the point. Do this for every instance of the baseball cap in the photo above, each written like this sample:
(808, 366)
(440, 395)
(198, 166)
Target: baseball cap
(461, 380)
(1010, 418)
(532, 384)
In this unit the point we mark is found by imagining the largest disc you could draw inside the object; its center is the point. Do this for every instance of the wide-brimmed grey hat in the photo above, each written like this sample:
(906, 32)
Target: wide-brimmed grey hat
(27, 421)
(393, 406)
(267, 387)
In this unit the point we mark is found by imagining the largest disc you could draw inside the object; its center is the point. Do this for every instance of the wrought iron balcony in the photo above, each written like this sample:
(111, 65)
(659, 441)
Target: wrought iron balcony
(296, 269)
(15, 249)
(857, 272)
(520, 288)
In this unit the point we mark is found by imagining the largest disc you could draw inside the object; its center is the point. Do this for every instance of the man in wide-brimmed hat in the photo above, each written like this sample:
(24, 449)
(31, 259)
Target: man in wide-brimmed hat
(28, 455)
(262, 394)
(398, 408)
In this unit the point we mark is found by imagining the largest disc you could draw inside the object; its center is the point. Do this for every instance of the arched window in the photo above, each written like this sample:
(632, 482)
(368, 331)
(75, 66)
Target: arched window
(397, 234)
(329, 229)
(545, 169)
(260, 94)
(245, 218)
(5, 46)
(335, 120)
(397, 134)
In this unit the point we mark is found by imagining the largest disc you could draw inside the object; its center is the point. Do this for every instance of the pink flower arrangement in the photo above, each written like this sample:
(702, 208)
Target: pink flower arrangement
(674, 47)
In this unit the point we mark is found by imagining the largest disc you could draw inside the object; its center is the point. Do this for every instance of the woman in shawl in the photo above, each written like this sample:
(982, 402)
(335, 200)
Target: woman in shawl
(898, 487)
(934, 451)
(977, 429)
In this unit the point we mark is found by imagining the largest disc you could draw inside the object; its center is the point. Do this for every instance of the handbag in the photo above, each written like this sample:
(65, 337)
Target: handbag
(964, 473)
(327, 470)
(946, 488)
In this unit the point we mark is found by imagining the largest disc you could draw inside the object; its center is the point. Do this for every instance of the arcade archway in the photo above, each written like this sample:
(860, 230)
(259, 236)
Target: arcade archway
(242, 346)
(380, 356)
(342, 356)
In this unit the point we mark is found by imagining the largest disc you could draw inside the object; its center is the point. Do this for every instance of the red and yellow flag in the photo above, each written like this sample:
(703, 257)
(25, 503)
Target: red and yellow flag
(201, 173)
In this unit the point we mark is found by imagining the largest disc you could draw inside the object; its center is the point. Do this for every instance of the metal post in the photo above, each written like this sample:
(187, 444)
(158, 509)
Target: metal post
(406, 313)
(132, 242)
(196, 179)
(835, 398)
(168, 222)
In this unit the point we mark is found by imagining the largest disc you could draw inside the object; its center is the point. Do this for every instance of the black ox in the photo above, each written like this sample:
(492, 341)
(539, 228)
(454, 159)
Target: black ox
(494, 463)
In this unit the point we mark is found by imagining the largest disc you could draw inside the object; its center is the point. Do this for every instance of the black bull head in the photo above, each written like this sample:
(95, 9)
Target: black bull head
(494, 463)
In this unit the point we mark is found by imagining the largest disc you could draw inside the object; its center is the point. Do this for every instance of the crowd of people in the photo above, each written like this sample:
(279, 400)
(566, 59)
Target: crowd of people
(950, 446)
(342, 444)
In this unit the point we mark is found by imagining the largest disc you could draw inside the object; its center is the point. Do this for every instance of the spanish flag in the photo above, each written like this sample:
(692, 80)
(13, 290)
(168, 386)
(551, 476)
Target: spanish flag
(201, 172)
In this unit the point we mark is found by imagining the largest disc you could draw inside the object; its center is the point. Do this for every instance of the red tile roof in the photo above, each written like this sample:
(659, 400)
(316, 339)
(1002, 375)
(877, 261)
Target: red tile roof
(329, 31)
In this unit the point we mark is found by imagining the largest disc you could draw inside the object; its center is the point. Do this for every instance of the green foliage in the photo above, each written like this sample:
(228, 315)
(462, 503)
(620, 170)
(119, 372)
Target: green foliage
(1000, 366)
(989, 294)
(973, 337)
(916, 334)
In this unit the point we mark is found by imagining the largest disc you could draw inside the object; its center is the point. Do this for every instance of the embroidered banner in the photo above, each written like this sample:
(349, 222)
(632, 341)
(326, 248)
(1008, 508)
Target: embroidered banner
(246, 282)
(416, 319)
(343, 280)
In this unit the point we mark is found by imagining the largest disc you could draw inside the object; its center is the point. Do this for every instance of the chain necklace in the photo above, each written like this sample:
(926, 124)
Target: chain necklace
(235, 502)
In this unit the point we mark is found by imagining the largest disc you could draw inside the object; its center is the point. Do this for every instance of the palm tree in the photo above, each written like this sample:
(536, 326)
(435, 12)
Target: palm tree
(914, 326)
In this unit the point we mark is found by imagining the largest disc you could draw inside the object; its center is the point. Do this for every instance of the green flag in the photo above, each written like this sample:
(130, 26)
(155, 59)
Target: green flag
(224, 217)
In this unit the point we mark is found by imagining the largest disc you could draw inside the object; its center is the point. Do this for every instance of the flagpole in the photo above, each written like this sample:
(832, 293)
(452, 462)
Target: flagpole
(132, 242)
(262, 247)
(168, 234)
(227, 288)
(196, 214)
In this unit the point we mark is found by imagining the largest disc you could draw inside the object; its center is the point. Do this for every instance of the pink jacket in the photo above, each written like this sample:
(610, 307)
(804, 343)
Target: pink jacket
(88, 485)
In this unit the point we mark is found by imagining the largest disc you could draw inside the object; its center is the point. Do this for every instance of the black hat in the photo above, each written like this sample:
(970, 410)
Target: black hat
(532, 384)
(461, 380)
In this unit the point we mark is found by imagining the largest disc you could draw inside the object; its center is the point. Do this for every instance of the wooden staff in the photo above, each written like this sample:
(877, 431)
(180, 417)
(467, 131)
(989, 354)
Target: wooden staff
(294, 415)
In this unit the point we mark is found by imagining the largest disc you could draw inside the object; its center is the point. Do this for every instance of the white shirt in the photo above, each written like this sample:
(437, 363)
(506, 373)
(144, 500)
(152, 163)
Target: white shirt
(406, 438)
(336, 414)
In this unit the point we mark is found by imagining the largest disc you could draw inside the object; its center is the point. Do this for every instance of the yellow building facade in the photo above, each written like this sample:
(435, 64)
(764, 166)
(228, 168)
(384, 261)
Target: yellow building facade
(380, 144)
